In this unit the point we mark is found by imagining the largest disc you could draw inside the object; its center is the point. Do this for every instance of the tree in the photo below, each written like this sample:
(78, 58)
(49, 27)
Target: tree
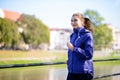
(94, 16)
(34, 31)
(102, 34)
(9, 34)
(102, 37)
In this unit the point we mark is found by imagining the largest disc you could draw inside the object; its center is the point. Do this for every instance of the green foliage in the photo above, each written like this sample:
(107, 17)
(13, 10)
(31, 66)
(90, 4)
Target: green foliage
(94, 16)
(8, 33)
(102, 37)
(102, 34)
(35, 32)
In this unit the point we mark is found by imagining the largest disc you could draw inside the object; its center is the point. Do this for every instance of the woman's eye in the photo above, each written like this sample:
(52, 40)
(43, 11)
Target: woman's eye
(74, 20)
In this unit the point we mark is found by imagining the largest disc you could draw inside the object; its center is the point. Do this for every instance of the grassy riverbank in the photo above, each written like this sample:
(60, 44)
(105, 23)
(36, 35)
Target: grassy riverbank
(21, 57)
(24, 57)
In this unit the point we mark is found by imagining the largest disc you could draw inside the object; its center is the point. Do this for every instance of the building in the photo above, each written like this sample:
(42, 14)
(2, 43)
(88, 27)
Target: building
(1, 13)
(116, 38)
(116, 42)
(59, 38)
(14, 16)
(11, 15)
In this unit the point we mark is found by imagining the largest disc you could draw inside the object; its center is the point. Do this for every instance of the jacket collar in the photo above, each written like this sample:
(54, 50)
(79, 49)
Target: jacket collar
(77, 30)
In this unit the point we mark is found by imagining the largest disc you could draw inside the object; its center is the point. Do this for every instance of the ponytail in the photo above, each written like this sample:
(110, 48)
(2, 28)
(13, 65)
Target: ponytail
(88, 24)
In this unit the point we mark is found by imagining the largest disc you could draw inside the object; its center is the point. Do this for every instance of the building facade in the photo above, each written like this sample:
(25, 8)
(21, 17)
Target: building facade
(59, 38)
(116, 39)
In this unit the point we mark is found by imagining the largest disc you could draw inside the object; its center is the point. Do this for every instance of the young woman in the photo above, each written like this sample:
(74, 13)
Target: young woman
(80, 49)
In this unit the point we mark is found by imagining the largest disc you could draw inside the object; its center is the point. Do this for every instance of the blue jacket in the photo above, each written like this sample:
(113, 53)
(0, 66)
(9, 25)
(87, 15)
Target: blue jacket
(80, 59)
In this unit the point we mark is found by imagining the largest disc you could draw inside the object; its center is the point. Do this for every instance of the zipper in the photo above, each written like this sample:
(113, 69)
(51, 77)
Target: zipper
(72, 61)
(74, 43)
(77, 39)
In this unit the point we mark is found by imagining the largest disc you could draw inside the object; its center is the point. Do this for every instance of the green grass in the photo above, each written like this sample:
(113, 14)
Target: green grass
(25, 57)
(111, 55)
(107, 63)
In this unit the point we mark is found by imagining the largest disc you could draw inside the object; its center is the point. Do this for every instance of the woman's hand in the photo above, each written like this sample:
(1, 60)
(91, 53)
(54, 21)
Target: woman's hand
(70, 46)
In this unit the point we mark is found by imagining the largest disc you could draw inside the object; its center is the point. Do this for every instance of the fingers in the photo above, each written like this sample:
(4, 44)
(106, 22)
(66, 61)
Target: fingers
(70, 46)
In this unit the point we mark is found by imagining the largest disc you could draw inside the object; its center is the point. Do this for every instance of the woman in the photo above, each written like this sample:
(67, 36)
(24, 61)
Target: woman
(80, 49)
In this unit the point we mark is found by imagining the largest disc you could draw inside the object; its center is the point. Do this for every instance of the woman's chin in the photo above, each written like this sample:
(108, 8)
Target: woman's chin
(75, 27)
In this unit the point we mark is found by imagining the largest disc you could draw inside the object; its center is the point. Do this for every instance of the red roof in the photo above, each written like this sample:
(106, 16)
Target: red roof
(14, 16)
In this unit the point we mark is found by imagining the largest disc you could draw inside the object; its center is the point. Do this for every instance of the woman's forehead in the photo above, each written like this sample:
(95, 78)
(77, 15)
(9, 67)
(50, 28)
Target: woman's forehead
(74, 17)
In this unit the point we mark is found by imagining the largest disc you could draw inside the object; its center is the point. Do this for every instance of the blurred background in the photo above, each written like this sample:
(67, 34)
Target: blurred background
(33, 31)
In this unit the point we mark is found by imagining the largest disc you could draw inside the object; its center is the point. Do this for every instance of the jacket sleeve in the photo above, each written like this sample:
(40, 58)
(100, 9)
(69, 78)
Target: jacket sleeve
(87, 52)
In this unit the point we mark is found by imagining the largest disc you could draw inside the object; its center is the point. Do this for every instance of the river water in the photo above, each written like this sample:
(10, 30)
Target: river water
(56, 72)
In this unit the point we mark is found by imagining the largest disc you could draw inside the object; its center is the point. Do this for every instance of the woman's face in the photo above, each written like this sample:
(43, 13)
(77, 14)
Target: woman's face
(76, 22)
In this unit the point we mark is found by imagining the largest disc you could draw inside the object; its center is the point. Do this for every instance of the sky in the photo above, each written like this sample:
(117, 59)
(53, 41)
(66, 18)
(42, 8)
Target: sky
(57, 13)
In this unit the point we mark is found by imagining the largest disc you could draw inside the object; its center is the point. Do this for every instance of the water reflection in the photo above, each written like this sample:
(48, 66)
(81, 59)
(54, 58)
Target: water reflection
(107, 69)
(58, 72)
